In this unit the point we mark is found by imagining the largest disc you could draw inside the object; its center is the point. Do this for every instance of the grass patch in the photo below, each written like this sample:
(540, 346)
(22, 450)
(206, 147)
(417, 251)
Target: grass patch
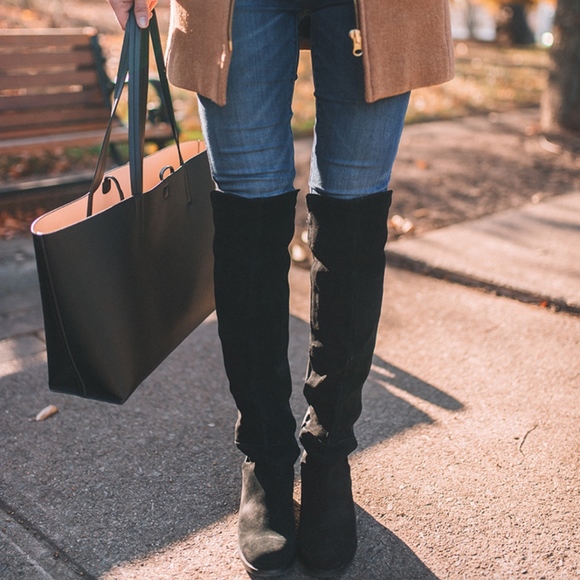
(488, 79)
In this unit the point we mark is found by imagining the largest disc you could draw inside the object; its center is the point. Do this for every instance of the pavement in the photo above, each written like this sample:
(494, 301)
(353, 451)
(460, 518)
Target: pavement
(468, 464)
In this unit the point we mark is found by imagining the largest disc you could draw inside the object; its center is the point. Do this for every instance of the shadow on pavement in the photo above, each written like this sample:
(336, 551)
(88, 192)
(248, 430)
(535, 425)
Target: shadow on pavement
(111, 485)
(383, 556)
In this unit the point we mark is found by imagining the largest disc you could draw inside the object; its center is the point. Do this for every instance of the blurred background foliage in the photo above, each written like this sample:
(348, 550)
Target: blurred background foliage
(499, 67)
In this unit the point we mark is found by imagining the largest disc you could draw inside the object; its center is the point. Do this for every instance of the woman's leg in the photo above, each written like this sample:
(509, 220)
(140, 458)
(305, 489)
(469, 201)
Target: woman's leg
(251, 154)
(353, 153)
(249, 140)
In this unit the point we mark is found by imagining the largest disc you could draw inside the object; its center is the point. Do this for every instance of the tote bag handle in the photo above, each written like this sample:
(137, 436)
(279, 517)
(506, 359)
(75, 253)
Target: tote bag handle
(134, 63)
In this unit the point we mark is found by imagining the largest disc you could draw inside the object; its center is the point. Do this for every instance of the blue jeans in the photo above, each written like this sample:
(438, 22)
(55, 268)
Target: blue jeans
(249, 139)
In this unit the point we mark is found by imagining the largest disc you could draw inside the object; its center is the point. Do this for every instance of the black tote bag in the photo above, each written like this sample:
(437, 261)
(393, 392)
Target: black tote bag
(124, 279)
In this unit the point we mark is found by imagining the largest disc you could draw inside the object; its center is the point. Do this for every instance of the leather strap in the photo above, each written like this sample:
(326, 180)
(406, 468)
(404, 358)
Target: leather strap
(165, 92)
(138, 83)
(134, 63)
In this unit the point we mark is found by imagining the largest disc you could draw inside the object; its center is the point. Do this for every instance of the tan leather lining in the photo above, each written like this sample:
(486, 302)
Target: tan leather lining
(76, 211)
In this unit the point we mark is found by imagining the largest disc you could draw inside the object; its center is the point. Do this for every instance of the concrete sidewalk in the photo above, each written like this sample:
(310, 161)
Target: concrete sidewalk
(531, 253)
(468, 465)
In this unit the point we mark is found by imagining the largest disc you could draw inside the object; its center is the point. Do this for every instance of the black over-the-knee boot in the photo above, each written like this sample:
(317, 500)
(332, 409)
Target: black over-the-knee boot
(347, 239)
(252, 304)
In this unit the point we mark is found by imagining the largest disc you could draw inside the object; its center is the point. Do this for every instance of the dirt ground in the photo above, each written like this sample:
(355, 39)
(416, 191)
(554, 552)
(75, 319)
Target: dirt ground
(453, 171)
(446, 172)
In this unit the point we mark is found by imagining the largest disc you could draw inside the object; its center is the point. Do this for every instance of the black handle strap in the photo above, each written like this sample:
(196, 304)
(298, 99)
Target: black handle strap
(138, 83)
(164, 83)
(134, 62)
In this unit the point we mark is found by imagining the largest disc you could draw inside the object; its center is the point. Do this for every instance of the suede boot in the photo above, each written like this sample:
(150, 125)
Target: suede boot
(347, 239)
(266, 524)
(252, 304)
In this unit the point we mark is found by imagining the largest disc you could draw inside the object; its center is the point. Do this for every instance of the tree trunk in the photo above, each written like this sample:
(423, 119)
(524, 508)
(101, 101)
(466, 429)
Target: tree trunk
(512, 28)
(470, 18)
(561, 99)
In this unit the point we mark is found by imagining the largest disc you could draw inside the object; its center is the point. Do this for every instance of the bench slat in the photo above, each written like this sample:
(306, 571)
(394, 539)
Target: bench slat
(46, 80)
(95, 137)
(73, 128)
(45, 37)
(21, 121)
(90, 97)
(46, 59)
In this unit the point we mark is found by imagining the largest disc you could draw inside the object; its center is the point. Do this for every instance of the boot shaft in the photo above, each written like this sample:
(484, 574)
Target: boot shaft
(252, 305)
(347, 239)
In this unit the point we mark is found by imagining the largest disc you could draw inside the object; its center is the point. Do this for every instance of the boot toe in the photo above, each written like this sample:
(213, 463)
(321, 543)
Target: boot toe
(327, 538)
(266, 555)
(328, 556)
(266, 523)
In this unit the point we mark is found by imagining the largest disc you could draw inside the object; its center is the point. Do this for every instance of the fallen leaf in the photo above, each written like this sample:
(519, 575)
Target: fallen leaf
(46, 413)
(401, 224)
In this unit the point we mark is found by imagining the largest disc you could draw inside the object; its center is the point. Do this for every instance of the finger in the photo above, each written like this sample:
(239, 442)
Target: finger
(142, 12)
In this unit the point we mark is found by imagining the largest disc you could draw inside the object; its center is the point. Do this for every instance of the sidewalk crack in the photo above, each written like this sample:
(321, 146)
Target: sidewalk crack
(34, 543)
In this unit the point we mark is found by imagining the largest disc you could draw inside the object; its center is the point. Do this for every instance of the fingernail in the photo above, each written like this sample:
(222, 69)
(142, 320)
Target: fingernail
(142, 22)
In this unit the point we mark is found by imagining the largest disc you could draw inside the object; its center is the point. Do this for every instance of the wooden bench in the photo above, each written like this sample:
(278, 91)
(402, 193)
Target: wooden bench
(54, 92)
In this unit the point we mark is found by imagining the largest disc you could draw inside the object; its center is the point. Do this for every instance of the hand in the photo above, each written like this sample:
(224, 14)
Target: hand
(143, 10)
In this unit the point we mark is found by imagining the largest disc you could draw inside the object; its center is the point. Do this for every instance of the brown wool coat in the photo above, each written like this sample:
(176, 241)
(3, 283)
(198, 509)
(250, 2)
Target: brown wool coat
(406, 45)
